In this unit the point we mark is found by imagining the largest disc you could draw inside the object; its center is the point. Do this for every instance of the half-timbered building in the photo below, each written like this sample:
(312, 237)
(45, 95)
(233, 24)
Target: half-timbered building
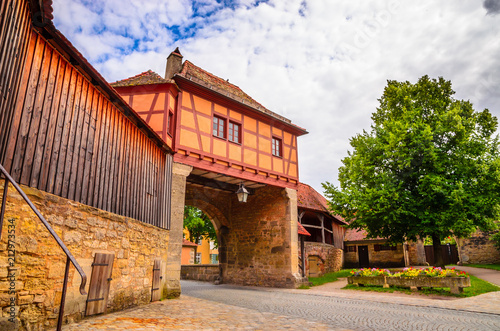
(225, 141)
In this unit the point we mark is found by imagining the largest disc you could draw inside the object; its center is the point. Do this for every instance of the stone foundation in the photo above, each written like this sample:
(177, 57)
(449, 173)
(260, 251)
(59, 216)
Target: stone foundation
(201, 272)
(39, 262)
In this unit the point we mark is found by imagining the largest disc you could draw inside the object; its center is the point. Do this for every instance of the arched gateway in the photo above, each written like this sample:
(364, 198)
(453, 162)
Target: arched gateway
(223, 139)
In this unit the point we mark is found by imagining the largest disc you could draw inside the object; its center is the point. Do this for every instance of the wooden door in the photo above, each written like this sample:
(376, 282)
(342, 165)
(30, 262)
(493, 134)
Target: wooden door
(156, 288)
(100, 281)
(363, 257)
(314, 265)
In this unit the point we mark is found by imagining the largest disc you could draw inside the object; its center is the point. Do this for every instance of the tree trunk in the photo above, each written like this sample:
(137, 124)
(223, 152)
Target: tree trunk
(438, 255)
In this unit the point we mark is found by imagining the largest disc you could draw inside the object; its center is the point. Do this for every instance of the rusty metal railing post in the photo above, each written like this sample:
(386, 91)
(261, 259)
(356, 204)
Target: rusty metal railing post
(63, 296)
(4, 200)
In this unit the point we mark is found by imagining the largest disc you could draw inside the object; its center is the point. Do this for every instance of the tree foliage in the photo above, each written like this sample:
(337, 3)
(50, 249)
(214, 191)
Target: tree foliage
(198, 225)
(429, 166)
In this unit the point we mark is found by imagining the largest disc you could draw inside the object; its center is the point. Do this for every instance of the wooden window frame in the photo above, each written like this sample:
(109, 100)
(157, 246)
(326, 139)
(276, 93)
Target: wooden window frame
(230, 137)
(215, 132)
(279, 152)
(170, 124)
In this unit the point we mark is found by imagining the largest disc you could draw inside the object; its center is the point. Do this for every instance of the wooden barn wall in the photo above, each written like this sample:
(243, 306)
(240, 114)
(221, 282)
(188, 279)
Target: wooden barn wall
(14, 31)
(338, 235)
(63, 136)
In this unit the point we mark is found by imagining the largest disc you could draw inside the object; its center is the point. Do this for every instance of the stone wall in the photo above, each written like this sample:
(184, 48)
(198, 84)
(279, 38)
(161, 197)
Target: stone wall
(201, 272)
(381, 259)
(416, 253)
(331, 256)
(478, 248)
(179, 174)
(39, 262)
(259, 241)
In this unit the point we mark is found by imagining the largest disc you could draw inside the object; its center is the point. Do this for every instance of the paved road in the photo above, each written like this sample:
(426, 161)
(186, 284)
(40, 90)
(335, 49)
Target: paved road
(489, 275)
(341, 312)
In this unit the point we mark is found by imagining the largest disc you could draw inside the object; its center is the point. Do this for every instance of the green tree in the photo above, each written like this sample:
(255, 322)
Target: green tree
(198, 225)
(429, 167)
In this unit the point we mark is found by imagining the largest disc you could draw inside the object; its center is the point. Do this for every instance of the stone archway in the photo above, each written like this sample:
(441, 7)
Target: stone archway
(219, 222)
(258, 242)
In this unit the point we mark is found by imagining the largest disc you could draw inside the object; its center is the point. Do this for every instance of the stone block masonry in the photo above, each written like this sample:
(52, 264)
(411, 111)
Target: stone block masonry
(39, 262)
(201, 272)
(478, 248)
(261, 249)
(257, 239)
(331, 257)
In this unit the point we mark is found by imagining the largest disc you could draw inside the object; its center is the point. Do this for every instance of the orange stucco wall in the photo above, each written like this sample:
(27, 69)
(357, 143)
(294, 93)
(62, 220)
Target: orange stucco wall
(187, 255)
(153, 103)
(253, 154)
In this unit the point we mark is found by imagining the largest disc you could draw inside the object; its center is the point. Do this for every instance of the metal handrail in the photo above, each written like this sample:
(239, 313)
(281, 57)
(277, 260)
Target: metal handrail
(69, 256)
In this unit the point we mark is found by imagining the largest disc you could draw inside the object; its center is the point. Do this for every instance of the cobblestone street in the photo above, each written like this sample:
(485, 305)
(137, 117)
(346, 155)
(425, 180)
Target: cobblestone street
(204, 306)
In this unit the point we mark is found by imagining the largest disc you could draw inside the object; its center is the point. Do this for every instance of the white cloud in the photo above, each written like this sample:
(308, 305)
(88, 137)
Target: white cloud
(323, 64)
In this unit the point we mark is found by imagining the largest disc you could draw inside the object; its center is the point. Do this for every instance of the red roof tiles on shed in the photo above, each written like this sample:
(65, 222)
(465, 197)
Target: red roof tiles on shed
(358, 235)
(355, 235)
(302, 230)
(309, 198)
(186, 242)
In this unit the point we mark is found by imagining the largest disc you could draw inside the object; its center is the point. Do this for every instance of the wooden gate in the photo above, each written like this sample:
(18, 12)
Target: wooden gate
(314, 266)
(156, 289)
(97, 299)
(449, 254)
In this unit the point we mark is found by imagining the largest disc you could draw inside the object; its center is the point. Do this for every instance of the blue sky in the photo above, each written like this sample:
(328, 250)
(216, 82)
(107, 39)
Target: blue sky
(321, 63)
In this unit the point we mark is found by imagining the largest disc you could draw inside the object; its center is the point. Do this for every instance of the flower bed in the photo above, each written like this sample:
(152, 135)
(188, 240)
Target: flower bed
(413, 278)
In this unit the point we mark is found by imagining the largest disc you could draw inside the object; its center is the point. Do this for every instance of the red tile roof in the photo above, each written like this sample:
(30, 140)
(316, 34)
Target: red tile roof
(196, 74)
(302, 230)
(145, 78)
(186, 242)
(193, 72)
(309, 198)
(357, 235)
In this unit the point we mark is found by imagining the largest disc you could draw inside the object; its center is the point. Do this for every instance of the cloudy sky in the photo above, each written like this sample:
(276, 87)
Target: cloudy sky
(321, 63)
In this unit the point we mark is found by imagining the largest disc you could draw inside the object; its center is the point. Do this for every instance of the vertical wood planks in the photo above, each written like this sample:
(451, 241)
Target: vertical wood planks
(97, 299)
(156, 287)
(60, 134)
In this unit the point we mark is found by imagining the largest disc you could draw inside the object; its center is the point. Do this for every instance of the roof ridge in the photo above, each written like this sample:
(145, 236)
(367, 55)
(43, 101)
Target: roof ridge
(249, 100)
(136, 76)
(144, 78)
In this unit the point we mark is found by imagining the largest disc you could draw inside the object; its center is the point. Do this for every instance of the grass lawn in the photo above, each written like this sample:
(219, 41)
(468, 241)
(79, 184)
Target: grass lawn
(330, 277)
(485, 266)
(478, 286)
